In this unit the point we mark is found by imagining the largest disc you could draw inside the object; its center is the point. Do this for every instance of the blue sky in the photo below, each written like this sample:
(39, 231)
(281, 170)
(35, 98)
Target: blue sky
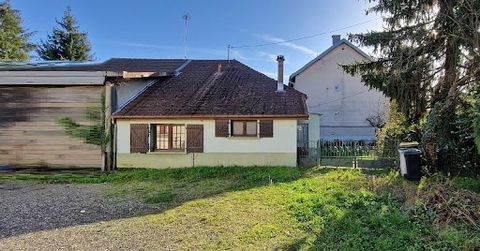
(155, 29)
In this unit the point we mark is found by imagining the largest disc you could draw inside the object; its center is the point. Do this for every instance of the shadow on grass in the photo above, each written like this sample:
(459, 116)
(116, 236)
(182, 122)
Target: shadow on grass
(159, 189)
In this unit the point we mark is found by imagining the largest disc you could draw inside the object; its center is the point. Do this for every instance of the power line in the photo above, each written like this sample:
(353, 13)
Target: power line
(302, 38)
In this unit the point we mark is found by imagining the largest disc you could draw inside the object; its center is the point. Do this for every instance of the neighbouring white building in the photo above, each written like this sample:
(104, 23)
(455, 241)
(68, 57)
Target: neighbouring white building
(340, 105)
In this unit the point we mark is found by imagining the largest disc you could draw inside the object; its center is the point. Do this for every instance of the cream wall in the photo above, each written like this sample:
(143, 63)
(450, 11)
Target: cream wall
(279, 150)
(342, 100)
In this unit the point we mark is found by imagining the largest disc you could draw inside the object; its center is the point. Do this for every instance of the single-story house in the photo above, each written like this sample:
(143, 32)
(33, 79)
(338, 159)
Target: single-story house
(166, 113)
(215, 112)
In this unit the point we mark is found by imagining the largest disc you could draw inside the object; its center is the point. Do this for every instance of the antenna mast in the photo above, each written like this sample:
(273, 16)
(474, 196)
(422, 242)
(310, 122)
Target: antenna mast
(186, 18)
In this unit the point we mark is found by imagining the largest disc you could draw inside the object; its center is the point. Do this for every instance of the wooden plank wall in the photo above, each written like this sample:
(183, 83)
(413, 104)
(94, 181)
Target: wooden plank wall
(29, 134)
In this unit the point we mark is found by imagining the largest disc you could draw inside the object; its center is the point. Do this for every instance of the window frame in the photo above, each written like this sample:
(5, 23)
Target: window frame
(244, 128)
(170, 135)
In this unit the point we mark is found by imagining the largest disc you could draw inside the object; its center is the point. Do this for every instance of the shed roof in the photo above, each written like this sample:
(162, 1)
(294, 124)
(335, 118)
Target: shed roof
(112, 65)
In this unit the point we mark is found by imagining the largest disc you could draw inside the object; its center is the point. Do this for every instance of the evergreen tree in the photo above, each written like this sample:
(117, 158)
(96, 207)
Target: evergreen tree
(14, 40)
(66, 42)
(427, 58)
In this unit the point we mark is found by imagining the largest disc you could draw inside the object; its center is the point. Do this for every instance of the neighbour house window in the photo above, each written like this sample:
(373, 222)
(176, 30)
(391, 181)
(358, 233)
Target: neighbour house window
(170, 137)
(244, 128)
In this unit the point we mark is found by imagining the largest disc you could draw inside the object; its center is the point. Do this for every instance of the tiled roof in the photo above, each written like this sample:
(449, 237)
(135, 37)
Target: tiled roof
(200, 91)
(114, 64)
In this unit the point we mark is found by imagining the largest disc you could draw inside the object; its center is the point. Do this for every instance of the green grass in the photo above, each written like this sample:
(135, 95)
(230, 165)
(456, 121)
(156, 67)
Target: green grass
(274, 208)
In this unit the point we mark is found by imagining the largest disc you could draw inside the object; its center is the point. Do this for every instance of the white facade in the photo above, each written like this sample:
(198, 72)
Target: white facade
(342, 100)
(279, 150)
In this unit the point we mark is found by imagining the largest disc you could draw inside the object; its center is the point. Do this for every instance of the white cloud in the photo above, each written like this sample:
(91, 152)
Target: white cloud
(290, 45)
(270, 74)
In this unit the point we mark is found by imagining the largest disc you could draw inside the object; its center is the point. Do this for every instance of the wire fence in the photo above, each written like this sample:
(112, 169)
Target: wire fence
(351, 153)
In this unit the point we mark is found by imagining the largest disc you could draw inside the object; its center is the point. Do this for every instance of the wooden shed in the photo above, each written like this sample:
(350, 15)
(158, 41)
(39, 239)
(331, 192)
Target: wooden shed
(35, 98)
(32, 104)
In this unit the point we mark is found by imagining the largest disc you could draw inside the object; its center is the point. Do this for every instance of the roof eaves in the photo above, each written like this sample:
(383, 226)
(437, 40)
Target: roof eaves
(213, 116)
(323, 54)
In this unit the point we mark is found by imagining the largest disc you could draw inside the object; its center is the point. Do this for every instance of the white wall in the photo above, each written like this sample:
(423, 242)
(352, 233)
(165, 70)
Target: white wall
(284, 137)
(127, 89)
(342, 100)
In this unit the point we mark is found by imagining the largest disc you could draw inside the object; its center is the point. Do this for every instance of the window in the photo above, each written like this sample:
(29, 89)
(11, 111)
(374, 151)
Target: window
(170, 137)
(244, 128)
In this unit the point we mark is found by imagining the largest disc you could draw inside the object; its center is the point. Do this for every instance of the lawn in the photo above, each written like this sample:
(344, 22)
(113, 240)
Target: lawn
(278, 208)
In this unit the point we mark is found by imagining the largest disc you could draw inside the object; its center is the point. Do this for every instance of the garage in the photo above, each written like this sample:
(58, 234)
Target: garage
(30, 131)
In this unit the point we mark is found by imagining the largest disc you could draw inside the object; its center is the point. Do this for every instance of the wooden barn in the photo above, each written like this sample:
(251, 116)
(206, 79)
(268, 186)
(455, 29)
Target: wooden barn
(35, 99)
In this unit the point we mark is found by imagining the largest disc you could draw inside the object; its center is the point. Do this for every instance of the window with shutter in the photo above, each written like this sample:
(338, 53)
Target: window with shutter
(194, 138)
(221, 128)
(139, 138)
(244, 128)
(266, 128)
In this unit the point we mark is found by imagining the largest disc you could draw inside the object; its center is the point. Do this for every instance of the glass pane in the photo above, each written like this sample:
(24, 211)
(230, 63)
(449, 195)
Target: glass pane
(162, 137)
(237, 127)
(178, 137)
(251, 128)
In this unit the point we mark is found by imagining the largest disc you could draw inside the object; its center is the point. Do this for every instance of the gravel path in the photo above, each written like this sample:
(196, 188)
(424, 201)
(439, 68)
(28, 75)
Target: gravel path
(27, 207)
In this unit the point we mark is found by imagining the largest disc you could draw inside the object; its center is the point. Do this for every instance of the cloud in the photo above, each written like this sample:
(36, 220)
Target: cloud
(290, 45)
(270, 74)
(262, 57)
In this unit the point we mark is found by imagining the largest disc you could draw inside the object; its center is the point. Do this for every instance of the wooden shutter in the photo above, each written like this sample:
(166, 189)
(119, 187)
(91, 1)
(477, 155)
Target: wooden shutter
(266, 128)
(138, 138)
(221, 128)
(153, 137)
(194, 138)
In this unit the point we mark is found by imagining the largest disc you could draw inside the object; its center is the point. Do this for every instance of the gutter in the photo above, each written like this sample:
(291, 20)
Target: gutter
(226, 116)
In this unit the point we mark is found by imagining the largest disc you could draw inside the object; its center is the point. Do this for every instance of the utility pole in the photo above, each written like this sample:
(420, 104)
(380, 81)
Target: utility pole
(186, 18)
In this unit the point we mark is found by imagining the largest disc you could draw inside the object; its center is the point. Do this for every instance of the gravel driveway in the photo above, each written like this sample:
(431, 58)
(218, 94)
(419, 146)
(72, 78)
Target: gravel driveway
(28, 207)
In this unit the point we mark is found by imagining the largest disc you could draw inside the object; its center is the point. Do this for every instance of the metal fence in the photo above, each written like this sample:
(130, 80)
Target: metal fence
(351, 153)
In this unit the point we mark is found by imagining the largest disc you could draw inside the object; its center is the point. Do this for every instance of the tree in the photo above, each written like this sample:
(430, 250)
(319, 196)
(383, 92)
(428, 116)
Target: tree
(427, 58)
(66, 42)
(14, 39)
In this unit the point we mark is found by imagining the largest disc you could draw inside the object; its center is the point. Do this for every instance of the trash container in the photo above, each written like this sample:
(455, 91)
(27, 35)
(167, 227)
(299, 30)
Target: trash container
(410, 163)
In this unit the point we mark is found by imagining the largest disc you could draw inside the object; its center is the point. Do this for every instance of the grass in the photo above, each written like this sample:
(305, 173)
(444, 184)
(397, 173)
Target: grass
(272, 208)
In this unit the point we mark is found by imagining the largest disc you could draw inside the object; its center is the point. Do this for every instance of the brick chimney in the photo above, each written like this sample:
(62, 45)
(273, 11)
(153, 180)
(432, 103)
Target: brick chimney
(336, 39)
(280, 86)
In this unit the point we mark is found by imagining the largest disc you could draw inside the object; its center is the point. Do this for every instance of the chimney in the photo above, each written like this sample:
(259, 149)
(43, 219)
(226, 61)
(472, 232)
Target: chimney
(219, 68)
(280, 86)
(335, 39)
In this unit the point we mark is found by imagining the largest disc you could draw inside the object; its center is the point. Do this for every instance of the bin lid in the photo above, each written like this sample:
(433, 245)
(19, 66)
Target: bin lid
(411, 151)
(413, 144)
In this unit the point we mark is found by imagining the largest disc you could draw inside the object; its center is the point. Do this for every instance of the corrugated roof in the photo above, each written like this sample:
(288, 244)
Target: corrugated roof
(114, 65)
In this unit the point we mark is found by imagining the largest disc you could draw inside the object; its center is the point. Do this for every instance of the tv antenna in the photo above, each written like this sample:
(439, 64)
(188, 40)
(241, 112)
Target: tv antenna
(186, 18)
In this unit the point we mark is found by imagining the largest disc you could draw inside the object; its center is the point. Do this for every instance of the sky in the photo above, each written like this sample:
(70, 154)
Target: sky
(155, 28)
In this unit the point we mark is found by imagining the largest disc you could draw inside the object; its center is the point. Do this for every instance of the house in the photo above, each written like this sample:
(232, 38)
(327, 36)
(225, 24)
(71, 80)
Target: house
(215, 112)
(340, 105)
(194, 112)
(34, 97)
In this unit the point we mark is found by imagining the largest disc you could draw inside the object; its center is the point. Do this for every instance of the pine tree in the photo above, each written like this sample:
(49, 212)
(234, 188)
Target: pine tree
(66, 42)
(427, 58)
(14, 40)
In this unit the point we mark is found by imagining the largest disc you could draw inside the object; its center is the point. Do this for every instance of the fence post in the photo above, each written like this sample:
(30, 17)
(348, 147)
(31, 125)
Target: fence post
(318, 152)
(354, 154)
